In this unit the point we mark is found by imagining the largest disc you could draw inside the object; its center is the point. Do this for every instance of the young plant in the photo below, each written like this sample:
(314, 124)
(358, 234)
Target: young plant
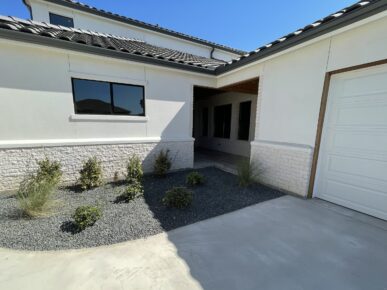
(91, 174)
(248, 173)
(35, 195)
(86, 216)
(116, 176)
(134, 169)
(162, 164)
(178, 197)
(132, 191)
(49, 170)
(194, 178)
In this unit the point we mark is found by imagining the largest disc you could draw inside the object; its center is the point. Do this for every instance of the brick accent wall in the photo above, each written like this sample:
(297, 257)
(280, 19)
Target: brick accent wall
(16, 163)
(284, 166)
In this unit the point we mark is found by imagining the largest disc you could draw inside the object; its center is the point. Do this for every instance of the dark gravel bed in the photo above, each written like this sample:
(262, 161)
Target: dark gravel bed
(140, 218)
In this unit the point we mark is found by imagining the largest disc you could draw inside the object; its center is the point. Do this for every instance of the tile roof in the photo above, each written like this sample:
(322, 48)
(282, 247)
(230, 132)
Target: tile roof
(131, 21)
(333, 21)
(109, 42)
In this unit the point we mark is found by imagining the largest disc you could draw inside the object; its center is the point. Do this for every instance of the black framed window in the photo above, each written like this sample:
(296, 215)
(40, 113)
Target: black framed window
(61, 20)
(205, 122)
(104, 98)
(222, 121)
(244, 120)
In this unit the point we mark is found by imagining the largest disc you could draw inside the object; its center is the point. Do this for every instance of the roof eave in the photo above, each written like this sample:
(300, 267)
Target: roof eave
(333, 25)
(144, 26)
(63, 44)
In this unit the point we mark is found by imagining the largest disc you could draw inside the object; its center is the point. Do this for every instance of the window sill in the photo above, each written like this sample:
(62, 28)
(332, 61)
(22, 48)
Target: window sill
(107, 118)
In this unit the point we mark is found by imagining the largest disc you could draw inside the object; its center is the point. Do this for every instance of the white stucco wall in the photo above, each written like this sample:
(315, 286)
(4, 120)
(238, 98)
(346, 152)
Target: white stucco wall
(232, 145)
(38, 120)
(291, 85)
(41, 10)
(36, 100)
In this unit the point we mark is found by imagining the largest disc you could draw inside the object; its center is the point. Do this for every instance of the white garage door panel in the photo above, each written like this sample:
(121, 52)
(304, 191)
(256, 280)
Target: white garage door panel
(360, 141)
(352, 164)
(359, 168)
(349, 195)
(362, 116)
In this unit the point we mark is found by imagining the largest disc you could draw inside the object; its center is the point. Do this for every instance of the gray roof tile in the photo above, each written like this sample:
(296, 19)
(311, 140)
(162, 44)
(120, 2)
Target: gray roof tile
(104, 41)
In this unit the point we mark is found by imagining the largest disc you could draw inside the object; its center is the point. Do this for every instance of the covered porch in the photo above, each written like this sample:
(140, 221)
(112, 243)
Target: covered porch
(224, 124)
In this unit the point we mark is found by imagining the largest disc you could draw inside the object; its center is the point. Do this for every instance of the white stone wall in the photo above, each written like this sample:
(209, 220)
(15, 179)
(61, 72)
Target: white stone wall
(16, 163)
(284, 166)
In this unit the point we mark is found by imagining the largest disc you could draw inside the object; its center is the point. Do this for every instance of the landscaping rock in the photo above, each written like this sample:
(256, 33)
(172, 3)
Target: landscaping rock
(140, 218)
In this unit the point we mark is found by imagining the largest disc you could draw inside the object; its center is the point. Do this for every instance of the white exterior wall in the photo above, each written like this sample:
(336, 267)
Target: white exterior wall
(37, 111)
(41, 10)
(232, 145)
(290, 92)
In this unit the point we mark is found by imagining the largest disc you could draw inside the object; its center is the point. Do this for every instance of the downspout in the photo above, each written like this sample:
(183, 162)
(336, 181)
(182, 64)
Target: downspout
(212, 53)
(28, 7)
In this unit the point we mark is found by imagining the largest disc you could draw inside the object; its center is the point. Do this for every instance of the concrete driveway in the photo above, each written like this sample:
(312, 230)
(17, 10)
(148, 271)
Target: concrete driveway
(287, 243)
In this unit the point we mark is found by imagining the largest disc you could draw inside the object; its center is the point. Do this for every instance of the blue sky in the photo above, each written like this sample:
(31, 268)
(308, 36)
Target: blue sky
(244, 24)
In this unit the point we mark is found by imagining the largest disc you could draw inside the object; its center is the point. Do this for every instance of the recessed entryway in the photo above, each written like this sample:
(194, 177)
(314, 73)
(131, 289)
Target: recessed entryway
(352, 161)
(224, 118)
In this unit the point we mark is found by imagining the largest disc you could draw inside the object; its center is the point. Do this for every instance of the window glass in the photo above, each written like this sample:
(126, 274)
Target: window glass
(128, 100)
(244, 120)
(91, 97)
(104, 98)
(61, 20)
(222, 121)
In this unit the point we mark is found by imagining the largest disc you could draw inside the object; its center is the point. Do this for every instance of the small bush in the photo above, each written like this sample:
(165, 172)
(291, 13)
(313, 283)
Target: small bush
(248, 173)
(91, 174)
(35, 195)
(132, 191)
(134, 169)
(178, 197)
(162, 164)
(194, 178)
(86, 216)
(49, 170)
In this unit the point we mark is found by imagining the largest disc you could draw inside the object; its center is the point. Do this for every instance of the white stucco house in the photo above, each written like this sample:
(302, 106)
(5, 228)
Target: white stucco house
(310, 107)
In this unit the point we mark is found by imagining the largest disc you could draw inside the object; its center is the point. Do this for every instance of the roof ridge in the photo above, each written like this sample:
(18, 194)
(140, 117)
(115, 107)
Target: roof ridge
(147, 25)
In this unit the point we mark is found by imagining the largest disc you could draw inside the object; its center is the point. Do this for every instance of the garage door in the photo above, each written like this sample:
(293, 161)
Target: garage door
(352, 164)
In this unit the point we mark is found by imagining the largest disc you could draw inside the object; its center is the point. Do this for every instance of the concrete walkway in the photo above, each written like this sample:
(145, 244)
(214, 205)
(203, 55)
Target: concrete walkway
(287, 243)
(224, 161)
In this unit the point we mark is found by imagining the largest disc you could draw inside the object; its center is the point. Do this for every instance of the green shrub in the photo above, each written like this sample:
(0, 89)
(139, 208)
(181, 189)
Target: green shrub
(86, 216)
(35, 195)
(162, 164)
(49, 170)
(91, 174)
(194, 178)
(134, 169)
(132, 191)
(178, 197)
(248, 173)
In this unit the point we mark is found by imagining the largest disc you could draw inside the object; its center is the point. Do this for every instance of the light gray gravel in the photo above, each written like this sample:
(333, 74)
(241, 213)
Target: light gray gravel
(125, 221)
